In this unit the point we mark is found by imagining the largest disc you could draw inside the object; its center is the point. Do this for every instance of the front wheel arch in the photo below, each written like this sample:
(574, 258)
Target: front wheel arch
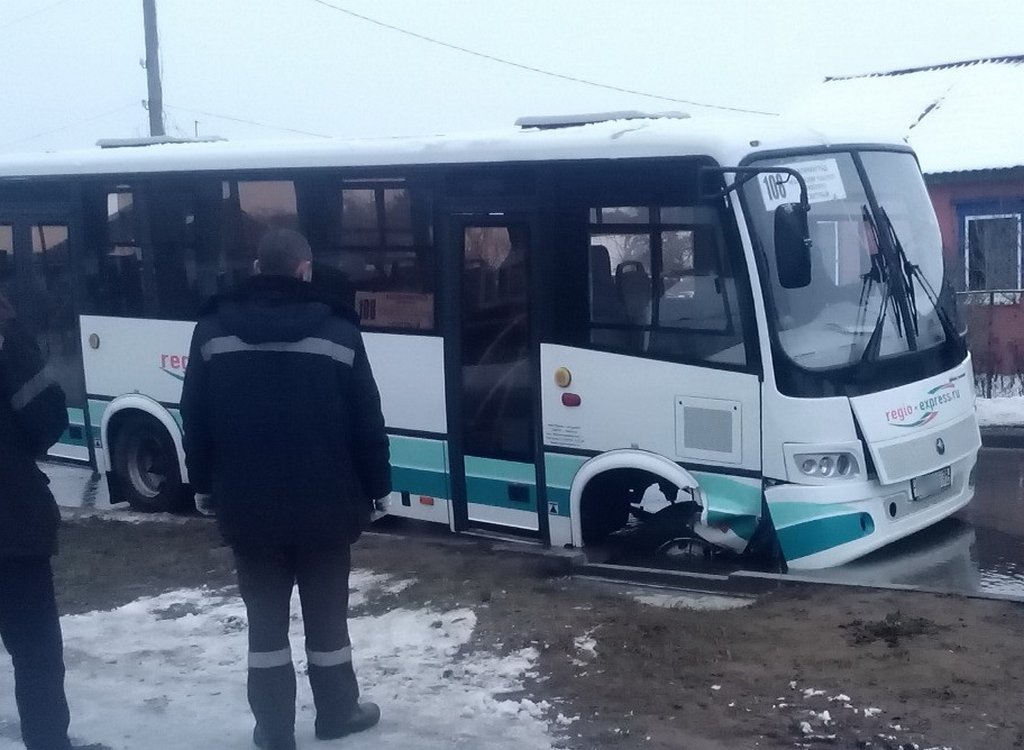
(628, 463)
(144, 462)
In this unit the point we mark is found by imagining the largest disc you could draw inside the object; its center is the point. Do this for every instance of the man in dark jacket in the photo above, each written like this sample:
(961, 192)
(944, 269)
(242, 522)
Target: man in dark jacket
(32, 417)
(283, 426)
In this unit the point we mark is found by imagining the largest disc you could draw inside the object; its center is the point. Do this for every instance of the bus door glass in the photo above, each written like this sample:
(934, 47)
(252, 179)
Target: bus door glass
(36, 276)
(495, 388)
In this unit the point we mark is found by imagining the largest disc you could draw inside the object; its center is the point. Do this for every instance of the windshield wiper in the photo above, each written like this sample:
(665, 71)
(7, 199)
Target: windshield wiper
(912, 272)
(898, 275)
(880, 274)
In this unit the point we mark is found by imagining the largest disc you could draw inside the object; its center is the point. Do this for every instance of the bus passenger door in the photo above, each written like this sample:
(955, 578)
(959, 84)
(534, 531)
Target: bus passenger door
(36, 275)
(491, 377)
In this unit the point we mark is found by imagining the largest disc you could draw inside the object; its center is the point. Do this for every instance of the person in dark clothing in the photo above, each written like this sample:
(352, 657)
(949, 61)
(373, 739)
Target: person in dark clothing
(285, 441)
(32, 417)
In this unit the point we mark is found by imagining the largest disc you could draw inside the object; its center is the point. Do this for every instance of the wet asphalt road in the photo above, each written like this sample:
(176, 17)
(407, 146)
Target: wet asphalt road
(980, 550)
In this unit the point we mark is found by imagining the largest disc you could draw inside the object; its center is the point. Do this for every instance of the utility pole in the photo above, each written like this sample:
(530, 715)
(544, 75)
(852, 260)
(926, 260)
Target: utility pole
(155, 103)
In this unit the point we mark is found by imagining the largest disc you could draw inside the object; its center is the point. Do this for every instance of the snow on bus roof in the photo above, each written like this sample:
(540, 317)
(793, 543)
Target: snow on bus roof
(726, 139)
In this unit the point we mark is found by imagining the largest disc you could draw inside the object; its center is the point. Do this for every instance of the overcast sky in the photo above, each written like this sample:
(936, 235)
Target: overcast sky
(70, 69)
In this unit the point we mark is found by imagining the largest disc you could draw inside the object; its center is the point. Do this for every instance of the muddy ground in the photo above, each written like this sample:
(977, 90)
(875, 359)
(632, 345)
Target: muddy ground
(932, 671)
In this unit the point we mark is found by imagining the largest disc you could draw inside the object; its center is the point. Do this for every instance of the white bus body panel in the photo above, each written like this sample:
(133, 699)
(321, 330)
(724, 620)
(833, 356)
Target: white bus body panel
(135, 356)
(810, 421)
(409, 371)
(660, 407)
(138, 364)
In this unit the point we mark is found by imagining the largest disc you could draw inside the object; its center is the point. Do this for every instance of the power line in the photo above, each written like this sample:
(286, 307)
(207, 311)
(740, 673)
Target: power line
(247, 122)
(70, 125)
(530, 68)
(33, 14)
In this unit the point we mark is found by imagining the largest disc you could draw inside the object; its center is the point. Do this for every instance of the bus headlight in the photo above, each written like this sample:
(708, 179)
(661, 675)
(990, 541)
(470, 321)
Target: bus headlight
(828, 465)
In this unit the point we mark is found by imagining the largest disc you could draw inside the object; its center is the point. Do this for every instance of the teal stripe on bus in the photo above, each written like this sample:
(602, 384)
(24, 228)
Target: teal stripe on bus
(420, 453)
(496, 468)
(488, 482)
(76, 425)
(419, 482)
(559, 471)
(495, 492)
(96, 411)
(820, 534)
(419, 466)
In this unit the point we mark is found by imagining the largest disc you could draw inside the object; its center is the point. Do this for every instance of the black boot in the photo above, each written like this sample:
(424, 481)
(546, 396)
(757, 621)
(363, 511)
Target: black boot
(364, 716)
(262, 741)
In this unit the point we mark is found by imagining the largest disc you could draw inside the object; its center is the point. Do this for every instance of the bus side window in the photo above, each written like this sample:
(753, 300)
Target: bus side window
(118, 287)
(698, 314)
(172, 242)
(672, 295)
(250, 209)
(152, 248)
(374, 248)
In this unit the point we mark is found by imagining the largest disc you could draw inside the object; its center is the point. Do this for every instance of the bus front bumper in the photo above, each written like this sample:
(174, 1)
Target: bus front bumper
(828, 525)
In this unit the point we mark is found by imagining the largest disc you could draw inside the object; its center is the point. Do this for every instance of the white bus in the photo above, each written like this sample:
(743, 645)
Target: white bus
(747, 313)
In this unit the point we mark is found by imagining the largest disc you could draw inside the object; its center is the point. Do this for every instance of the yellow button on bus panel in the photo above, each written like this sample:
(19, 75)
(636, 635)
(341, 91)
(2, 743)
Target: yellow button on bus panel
(563, 377)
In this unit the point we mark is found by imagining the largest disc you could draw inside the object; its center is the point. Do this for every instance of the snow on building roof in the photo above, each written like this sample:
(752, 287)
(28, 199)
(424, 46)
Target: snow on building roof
(962, 116)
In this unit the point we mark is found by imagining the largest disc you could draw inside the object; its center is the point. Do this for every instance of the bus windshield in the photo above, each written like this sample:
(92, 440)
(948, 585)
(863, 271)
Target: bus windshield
(829, 322)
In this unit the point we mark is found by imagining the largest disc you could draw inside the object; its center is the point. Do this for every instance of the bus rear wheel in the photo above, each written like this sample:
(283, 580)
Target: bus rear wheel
(145, 466)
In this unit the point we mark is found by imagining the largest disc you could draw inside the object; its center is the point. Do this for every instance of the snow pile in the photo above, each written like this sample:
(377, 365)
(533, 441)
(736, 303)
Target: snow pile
(586, 643)
(1000, 412)
(168, 673)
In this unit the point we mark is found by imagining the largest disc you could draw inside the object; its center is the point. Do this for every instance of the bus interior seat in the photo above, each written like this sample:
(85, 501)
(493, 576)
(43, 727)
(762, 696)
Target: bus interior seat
(606, 306)
(634, 285)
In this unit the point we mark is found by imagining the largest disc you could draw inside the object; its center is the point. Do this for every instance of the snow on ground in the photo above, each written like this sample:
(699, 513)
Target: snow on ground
(168, 673)
(1000, 412)
(686, 600)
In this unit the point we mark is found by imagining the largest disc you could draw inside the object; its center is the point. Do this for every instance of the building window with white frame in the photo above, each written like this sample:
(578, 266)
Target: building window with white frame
(992, 257)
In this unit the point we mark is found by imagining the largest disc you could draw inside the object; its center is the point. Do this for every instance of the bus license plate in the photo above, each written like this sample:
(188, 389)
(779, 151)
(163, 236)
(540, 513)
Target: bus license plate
(931, 484)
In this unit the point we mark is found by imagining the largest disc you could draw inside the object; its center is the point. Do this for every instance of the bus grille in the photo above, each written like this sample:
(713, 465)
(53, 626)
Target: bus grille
(906, 459)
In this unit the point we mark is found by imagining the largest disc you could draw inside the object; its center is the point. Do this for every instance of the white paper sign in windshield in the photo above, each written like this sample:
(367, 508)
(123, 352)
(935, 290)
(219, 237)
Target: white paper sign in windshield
(824, 183)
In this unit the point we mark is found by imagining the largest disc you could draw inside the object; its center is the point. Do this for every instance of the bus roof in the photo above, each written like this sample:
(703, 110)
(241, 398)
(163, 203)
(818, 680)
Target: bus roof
(726, 139)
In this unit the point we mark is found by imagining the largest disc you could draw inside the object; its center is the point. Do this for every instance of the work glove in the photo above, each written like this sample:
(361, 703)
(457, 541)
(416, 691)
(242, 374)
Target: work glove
(204, 503)
(380, 507)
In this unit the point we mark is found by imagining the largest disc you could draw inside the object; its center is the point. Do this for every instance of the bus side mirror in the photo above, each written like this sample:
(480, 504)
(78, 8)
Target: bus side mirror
(792, 246)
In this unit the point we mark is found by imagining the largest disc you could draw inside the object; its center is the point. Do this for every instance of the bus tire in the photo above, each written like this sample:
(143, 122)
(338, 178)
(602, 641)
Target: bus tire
(145, 465)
